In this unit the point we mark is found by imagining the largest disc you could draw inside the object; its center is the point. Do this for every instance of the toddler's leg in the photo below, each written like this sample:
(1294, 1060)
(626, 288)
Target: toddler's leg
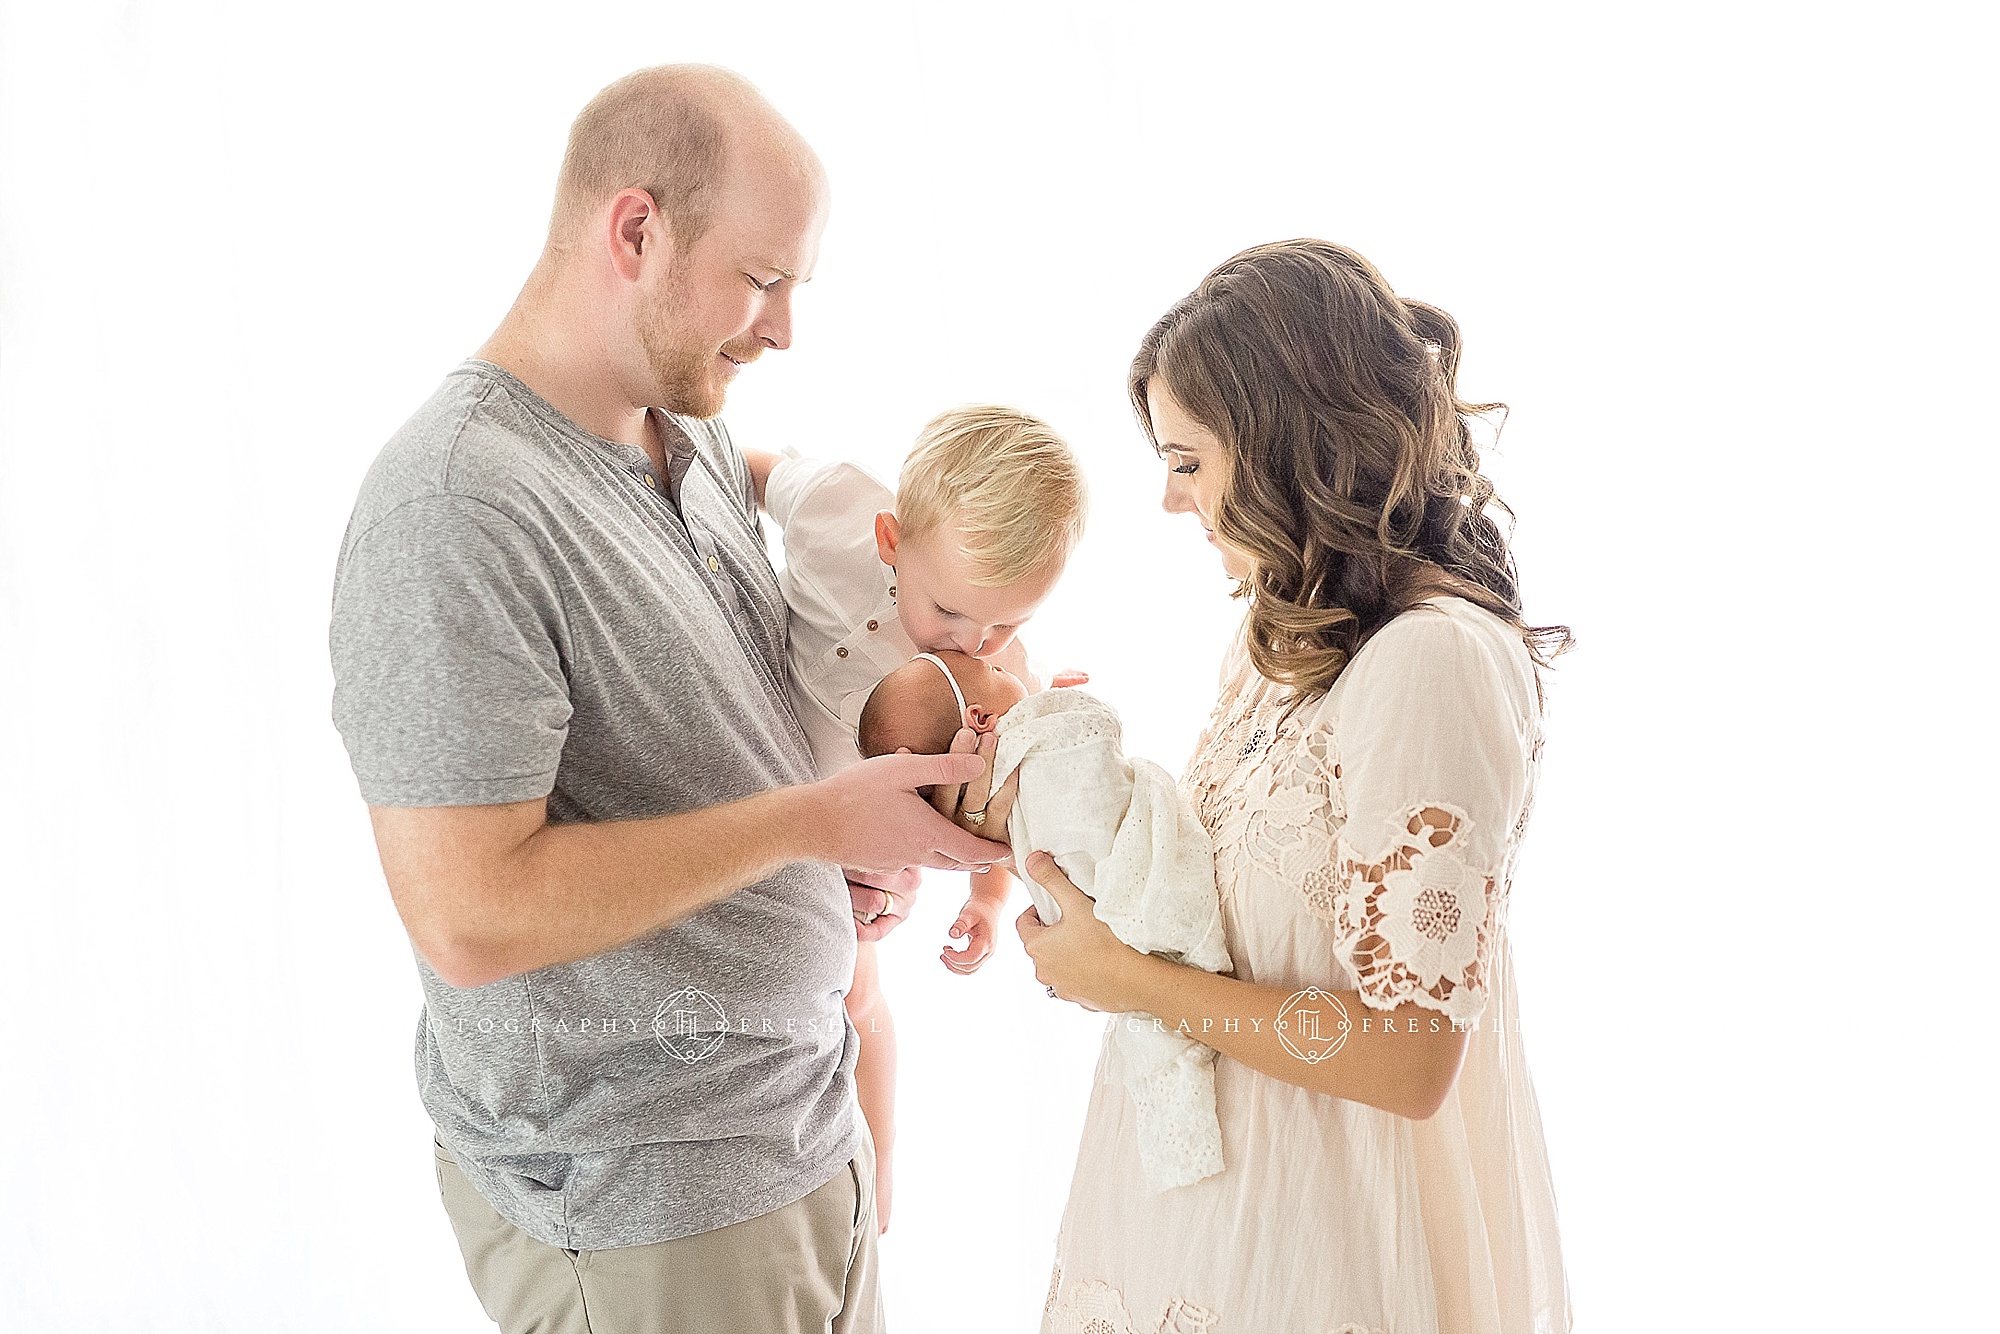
(875, 1068)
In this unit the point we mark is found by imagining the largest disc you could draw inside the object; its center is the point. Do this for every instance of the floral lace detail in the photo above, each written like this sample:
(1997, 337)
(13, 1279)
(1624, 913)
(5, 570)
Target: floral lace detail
(1421, 919)
(1266, 788)
(1095, 1307)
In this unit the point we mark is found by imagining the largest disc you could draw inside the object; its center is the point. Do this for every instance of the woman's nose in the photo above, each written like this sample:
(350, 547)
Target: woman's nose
(1177, 499)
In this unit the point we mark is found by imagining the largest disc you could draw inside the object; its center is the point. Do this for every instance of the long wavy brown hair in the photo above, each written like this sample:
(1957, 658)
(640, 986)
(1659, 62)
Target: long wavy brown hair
(1354, 485)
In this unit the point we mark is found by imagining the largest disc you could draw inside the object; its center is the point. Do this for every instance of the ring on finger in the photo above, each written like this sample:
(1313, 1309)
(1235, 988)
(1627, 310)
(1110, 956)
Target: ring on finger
(888, 903)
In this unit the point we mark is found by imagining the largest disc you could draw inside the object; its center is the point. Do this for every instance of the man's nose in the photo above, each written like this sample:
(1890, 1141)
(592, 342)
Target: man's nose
(774, 325)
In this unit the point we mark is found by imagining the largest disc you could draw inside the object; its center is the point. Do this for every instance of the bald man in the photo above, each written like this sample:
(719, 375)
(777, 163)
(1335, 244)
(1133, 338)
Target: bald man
(558, 651)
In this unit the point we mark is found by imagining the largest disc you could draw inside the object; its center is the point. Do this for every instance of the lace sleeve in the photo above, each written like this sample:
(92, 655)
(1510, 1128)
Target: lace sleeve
(1434, 742)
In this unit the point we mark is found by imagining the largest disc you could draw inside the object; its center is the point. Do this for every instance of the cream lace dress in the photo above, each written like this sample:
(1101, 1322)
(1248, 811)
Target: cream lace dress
(1364, 843)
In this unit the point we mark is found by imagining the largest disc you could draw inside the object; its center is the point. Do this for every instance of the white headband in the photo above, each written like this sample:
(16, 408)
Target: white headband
(956, 693)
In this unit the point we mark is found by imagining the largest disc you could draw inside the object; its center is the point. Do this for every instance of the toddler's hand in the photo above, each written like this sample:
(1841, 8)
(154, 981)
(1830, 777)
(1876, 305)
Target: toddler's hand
(978, 925)
(1069, 676)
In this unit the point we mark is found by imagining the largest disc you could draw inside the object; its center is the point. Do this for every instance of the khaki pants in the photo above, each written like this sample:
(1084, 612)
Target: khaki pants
(808, 1268)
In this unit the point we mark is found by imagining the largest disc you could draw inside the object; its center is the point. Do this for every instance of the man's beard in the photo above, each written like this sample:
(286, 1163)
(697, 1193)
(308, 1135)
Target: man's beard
(685, 374)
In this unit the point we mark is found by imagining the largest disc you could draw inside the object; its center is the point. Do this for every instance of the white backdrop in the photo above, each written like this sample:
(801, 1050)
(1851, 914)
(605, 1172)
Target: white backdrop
(1731, 265)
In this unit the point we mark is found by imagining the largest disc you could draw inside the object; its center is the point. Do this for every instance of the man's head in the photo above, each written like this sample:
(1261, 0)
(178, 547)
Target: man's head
(988, 508)
(688, 210)
(914, 708)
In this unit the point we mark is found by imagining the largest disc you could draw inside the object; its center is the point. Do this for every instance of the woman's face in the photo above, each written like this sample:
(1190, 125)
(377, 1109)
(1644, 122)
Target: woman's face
(1197, 469)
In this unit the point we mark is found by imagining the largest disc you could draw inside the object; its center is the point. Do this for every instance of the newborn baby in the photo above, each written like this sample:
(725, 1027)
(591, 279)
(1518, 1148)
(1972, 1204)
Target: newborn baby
(1121, 832)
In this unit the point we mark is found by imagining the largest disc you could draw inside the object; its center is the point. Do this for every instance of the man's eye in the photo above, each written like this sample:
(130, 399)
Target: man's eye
(762, 287)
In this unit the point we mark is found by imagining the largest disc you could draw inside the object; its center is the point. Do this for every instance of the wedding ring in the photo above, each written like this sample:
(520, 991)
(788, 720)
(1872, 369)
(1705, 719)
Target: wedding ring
(977, 817)
(1051, 991)
(888, 903)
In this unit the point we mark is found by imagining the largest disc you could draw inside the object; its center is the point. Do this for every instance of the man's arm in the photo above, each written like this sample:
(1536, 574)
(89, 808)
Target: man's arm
(488, 892)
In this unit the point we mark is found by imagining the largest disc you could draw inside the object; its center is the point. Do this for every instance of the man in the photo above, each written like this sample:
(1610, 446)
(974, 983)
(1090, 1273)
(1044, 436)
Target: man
(558, 651)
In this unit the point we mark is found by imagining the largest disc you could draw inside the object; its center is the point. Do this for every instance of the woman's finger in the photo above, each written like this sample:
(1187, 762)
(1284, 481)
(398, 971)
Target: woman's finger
(979, 789)
(1043, 870)
(1001, 804)
(945, 797)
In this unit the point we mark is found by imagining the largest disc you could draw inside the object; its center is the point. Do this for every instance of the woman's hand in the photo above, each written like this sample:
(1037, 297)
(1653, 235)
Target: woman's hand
(1078, 956)
(974, 806)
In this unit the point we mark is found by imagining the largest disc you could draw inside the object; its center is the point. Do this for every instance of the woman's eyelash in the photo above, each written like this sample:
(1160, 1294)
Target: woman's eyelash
(1189, 468)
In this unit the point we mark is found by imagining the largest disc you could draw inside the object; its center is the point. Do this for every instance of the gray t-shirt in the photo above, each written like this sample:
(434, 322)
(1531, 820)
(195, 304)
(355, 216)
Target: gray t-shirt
(520, 610)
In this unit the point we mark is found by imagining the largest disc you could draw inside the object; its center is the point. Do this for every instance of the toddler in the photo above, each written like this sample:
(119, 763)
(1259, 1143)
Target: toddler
(988, 507)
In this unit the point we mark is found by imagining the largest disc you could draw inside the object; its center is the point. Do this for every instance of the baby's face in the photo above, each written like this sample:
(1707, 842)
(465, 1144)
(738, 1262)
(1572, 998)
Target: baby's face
(989, 691)
(913, 707)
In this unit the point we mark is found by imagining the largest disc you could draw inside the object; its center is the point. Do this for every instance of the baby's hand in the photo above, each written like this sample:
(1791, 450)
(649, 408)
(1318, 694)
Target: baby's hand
(978, 925)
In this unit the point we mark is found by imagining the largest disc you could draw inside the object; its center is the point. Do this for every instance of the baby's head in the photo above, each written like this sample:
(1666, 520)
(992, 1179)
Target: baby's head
(915, 706)
(988, 508)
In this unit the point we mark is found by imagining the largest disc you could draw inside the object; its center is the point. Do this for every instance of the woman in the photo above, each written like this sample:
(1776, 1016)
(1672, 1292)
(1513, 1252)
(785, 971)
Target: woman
(1365, 777)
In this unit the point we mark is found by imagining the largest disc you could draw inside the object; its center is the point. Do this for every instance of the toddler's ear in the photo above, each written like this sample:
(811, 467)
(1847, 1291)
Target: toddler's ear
(888, 534)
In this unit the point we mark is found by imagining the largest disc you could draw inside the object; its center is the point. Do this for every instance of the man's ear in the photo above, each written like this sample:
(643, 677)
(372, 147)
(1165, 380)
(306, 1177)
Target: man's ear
(887, 533)
(632, 240)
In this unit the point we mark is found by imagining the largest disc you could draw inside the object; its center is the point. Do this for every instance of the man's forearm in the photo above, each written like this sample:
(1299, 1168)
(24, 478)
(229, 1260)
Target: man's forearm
(1402, 1060)
(482, 909)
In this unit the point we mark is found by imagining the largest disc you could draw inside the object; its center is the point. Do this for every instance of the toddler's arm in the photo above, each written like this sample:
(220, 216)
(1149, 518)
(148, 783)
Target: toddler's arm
(761, 462)
(978, 923)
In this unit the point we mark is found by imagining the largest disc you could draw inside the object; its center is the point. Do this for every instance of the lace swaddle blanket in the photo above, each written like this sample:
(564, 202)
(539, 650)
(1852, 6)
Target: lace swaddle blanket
(1121, 831)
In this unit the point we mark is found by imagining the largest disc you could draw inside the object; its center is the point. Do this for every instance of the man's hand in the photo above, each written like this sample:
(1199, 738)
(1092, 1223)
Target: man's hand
(881, 902)
(868, 817)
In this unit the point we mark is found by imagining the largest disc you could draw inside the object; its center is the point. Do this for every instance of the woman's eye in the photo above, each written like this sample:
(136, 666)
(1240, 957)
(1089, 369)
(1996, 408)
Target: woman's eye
(1188, 469)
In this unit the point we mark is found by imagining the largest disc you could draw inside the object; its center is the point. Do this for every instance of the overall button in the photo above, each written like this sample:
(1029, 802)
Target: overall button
(840, 652)
(873, 626)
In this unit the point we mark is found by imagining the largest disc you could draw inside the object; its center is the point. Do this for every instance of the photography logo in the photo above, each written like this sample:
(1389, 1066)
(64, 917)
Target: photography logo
(1313, 1025)
(689, 1025)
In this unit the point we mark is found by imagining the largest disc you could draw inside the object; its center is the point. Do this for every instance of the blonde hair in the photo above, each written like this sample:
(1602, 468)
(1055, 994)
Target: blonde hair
(1004, 481)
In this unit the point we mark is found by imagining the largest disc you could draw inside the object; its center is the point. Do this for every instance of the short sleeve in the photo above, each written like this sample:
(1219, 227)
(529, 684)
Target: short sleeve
(833, 575)
(1433, 744)
(448, 646)
(791, 477)
(840, 496)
